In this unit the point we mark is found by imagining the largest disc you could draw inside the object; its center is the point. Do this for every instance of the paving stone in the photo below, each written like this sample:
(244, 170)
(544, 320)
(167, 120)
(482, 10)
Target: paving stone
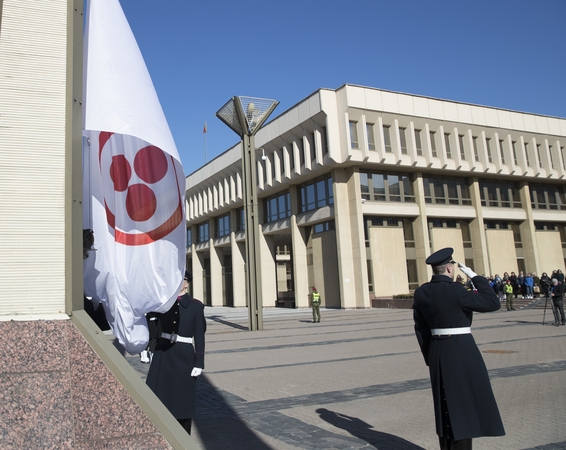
(362, 371)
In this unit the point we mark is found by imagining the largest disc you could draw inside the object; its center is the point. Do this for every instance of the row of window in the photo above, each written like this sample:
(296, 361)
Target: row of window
(391, 187)
(501, 145)
(312, 195)
(548, 196)
(386, 187)
(406, 223)
(446, 191)
(316, 194)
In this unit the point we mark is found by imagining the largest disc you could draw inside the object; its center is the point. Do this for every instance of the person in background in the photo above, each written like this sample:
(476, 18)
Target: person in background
(545, 284)
(315, 304)
(464, 404)
(536, 285)
(559, 276)
(508, 287)
(498, 286)
(178, 358)
(557, 293)
(529, 283)
(521, 284)
(513, 279)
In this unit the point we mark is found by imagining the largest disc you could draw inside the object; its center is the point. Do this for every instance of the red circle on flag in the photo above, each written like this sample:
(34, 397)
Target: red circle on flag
(132, 210)
(120, 172)
(141, 202)
(150, 164)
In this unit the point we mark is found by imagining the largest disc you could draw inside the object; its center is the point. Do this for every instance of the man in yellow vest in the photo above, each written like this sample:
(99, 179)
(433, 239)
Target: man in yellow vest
(315, 303)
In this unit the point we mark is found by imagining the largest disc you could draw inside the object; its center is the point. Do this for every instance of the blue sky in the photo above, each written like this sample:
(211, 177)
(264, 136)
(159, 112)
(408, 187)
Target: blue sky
(505, 53)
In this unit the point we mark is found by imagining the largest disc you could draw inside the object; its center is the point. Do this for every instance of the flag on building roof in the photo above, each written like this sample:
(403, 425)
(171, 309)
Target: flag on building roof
(134, 185)
(204, 129)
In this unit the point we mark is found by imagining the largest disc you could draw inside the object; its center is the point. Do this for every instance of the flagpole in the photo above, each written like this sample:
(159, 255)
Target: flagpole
(205, 142)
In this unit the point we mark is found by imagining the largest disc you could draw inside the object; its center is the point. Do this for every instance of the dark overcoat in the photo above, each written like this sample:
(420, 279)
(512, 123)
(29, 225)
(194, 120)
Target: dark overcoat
(172, 363)
(455, 363)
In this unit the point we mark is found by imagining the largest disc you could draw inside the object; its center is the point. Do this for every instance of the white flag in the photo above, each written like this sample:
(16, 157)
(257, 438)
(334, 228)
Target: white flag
(134, 185)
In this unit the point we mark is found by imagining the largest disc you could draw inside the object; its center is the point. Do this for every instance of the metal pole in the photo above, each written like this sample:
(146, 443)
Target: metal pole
(251, 211)
(246, 124)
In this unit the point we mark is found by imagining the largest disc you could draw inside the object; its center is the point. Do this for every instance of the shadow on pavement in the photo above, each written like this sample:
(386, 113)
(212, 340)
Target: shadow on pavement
(217, 426)
(230, 324)
(362, 430)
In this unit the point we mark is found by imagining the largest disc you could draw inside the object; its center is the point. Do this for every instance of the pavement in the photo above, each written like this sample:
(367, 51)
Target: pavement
(357, 380)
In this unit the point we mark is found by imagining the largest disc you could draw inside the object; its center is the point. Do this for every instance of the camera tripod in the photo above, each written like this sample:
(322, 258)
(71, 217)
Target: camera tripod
(554, 310)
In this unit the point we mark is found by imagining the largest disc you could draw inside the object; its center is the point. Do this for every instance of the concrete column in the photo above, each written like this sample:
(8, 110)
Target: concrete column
(427, 145)
(299, 244)
(216, 256)
(528, 236)
(239, 272)
(441, 147)
(198, 269)
(307, 149)
(350, 242)
(477, 233)
(325, 265)
(238, 264)
(268, 269)
(215, 267)
(420, 230)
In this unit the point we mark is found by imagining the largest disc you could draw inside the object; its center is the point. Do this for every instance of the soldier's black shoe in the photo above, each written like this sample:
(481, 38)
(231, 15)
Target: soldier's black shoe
(464, 444)
(556, 324)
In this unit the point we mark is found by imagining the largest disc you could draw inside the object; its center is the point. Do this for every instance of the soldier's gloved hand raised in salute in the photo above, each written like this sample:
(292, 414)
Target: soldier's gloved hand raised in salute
(467, 271)
(196, 372)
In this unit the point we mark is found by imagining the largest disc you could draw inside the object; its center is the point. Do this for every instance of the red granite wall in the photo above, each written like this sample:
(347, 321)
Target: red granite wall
(55, 392)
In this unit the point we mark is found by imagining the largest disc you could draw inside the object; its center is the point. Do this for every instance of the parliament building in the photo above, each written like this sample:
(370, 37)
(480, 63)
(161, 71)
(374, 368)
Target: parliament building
(358, 185)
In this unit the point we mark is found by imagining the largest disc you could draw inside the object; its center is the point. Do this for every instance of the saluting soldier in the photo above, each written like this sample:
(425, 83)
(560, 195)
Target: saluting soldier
(178, 358)
(464, 404)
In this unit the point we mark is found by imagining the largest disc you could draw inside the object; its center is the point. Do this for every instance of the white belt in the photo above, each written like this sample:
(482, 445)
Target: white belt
(444, 331)
(177, 338)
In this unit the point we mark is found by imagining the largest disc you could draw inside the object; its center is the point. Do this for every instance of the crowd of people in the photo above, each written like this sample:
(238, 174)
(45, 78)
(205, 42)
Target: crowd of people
(529, 286)
(525, 285)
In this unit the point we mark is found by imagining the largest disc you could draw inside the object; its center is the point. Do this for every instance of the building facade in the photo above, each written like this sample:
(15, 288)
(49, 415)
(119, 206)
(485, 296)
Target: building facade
(59, 370)
(357, 186)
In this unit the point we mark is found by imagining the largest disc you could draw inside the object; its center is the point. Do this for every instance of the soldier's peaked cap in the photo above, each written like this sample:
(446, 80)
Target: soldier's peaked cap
(440, 257)
(188, 276)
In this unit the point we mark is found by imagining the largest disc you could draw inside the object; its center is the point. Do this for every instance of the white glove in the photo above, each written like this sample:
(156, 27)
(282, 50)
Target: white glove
(467, 271)
(196, 372)
(144, 356)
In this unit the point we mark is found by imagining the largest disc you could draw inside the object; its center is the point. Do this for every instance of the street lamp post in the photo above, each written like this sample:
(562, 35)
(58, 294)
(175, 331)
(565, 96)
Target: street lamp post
(245, 116)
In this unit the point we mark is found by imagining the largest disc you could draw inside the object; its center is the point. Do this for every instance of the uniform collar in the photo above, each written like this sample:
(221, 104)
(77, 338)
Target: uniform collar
(184, 300)
(438, 278)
